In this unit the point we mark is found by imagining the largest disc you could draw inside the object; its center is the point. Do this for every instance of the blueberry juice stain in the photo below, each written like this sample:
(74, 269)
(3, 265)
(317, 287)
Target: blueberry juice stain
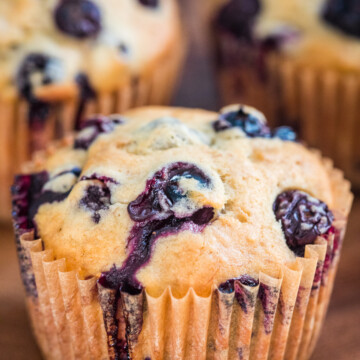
(35, 70)
(154, 217)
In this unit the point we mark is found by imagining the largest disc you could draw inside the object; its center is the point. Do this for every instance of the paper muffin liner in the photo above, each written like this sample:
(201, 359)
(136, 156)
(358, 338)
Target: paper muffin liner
(280, 318)
(322, 104)
(18, 140)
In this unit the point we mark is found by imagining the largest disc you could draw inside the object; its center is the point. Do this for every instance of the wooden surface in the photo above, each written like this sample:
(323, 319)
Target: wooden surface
(340, 339)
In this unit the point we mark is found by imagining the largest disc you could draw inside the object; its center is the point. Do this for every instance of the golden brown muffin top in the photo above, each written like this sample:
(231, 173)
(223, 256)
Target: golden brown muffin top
(180, 197)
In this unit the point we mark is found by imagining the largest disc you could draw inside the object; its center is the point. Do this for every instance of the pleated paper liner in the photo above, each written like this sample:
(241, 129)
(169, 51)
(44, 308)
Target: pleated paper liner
(324, 105)
(18, 141)
(280, 318)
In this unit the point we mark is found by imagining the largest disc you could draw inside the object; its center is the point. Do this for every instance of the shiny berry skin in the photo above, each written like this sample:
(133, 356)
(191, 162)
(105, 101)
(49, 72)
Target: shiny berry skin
(249, 123)
(285, 133)
(344, 15)
(78, 18)
(162, 192)
(303, 218)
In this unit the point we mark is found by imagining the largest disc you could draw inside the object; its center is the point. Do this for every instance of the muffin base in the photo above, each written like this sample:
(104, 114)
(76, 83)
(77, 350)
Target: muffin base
(279, 319)
(19, 140)
(322, 105)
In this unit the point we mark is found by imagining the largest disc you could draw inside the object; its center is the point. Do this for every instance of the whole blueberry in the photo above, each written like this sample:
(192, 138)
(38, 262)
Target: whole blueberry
(248, 122)
(343, 15)
(285, 133)
(303, 218)
(78, 18)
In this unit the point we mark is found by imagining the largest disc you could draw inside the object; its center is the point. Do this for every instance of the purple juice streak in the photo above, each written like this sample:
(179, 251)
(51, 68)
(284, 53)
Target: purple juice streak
(154, 218)
(267, 294)
(141, 241)
(104, 179)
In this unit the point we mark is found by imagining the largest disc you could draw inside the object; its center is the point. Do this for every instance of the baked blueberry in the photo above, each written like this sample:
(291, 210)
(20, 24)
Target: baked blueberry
(92, 128)
(285, 133)
(96, 198)
(154, 217)
(249, 122)
(343, 15)
(162, 191)
(238, 17)
(303, 218)
(78, 18)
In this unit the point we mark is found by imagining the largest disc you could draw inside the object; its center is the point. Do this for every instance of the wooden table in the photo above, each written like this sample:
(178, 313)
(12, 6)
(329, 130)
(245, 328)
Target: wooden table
(340, 338)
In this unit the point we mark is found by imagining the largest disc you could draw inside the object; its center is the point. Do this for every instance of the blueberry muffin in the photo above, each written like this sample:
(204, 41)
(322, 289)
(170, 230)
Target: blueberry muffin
(171, 233)
(62, 60)
(297, 61)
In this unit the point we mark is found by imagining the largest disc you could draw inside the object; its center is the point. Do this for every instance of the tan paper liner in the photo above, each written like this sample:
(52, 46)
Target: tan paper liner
(17, 142)
(279, 319)
(323, 104)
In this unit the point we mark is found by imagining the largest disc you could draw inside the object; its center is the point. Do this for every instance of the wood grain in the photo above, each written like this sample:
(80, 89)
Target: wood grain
(340, 339)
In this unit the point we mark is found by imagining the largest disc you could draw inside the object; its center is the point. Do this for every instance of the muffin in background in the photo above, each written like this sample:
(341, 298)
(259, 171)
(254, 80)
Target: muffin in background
(172, 233)
(298, 62)
(62, 60)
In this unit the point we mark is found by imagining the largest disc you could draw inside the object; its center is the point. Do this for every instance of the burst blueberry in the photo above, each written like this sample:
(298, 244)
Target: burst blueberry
(92, 128)
(152, 212)
(285, 133)
(303, 218)
(149, 3)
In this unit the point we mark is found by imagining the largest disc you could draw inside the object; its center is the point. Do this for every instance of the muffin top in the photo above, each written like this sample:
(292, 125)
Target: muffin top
(52, 42)
(177, 197)
(324, 33)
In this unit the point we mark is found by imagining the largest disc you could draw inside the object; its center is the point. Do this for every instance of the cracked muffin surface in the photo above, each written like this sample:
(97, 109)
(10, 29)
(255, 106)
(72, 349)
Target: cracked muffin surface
(158, 197)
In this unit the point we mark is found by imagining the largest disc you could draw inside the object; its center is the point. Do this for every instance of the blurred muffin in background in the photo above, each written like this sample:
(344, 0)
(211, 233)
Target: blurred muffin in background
(64, 59)
(299, 62)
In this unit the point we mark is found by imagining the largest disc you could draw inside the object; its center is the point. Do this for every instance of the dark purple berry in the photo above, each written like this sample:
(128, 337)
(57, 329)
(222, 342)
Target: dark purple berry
(154, 217)
(97, 197)
(28, 194)
(162, 192)
(343, 15)
(104, 179)
(78, 18)
(285, 133)
(249, 123)
(238, 17)
(303, 218)
(92, 128)
(149, 3)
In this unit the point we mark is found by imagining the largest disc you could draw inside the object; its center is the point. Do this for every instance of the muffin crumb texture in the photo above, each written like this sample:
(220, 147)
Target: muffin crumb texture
(172, 197)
